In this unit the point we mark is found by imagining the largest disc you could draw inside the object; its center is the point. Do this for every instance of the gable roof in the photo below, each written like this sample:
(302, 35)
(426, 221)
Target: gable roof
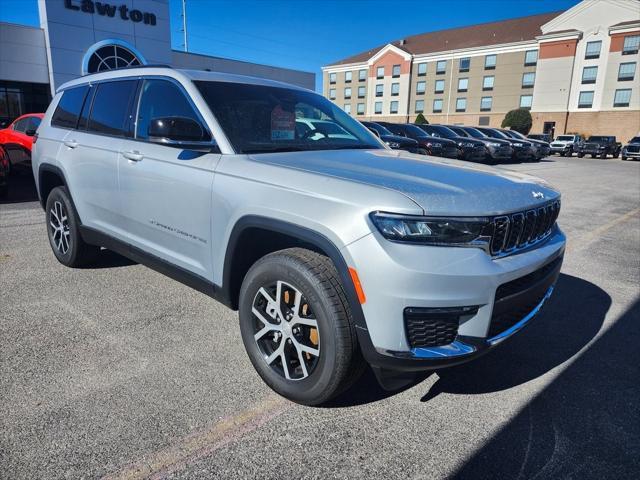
(483, 34)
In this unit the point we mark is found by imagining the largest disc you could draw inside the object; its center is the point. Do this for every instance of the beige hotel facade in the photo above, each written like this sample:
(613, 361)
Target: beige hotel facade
(576, 71)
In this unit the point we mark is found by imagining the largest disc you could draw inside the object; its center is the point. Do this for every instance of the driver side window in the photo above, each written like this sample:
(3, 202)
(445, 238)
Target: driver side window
(21, 125)
(162, 98)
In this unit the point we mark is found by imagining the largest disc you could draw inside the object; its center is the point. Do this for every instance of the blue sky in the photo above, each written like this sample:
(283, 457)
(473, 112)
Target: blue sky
(306, 34)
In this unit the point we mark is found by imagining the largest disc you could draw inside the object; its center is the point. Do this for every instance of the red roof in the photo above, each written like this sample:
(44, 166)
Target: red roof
(481, 35)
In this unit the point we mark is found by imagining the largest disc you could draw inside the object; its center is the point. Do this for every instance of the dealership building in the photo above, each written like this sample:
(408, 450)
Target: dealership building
(576, 71)
(77, 37)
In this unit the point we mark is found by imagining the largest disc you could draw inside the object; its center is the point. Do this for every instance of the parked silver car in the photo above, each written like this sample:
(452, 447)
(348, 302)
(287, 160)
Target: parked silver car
(336, 250)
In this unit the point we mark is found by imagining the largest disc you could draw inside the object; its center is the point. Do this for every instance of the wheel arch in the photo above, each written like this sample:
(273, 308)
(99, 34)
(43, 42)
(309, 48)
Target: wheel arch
(49, 177)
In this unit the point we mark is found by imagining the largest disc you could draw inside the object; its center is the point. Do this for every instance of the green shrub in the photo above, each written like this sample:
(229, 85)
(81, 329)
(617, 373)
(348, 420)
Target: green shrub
(519, 120)
(420, 120)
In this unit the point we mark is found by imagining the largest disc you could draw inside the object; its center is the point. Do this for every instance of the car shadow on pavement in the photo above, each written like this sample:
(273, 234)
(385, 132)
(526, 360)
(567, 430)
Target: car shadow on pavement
(570, 320)
(585, 424)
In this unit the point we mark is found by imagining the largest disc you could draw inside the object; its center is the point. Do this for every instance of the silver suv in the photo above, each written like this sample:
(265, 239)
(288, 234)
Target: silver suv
(337, 251)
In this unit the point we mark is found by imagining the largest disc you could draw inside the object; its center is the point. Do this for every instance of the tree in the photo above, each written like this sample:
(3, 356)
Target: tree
(519, 120)
(420, 120)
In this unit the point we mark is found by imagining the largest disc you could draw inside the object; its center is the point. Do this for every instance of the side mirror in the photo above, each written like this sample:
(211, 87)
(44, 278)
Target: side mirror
(175, 131)
(30, 132)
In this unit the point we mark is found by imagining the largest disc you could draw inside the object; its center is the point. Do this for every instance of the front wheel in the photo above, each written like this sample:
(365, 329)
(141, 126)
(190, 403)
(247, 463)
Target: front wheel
(64, 232)
(296, 326)
(580, 155)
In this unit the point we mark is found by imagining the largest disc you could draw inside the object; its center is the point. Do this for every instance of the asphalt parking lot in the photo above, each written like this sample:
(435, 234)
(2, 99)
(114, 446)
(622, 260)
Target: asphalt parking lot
(119, 372)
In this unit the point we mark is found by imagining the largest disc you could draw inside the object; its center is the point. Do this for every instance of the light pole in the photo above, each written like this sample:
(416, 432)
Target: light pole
(184, 25)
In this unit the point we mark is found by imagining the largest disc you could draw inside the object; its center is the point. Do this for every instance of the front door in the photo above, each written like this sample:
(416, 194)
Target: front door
(166, 192)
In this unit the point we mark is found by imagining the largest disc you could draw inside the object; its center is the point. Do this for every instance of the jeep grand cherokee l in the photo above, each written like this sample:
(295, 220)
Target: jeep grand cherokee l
(337, 251)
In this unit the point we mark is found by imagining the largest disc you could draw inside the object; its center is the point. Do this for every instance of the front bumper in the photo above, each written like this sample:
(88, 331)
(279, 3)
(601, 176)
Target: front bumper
(396, 277)
(630, 154)
(474, 154)
(562, 149)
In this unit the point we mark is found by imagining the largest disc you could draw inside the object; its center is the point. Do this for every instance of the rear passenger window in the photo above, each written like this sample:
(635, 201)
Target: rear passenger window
(68, 109)
(111, 105)
(161, 98)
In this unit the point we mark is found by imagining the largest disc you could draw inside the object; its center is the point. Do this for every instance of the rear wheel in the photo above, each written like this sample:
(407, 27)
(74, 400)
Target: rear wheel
(580, 155)
(603, 155)
(422, 151)
(63, 228)
(296, 326)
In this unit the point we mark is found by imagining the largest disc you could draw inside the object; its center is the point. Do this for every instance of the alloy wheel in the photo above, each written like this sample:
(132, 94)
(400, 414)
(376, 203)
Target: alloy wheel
(286, 330)
(59, 224)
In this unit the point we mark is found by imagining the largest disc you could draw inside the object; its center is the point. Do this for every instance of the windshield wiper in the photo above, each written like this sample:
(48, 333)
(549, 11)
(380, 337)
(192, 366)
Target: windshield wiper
(275, 150)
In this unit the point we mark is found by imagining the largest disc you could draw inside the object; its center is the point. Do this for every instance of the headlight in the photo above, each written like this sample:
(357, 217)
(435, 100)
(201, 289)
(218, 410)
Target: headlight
(431, 230)
(466, 144)
(435, 144)
(518, 144)
(393, 144)
(494, 144)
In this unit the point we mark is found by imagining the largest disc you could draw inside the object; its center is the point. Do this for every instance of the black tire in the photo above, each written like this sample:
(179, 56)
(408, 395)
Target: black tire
(60, 211)
(580, 155)
(624, 158)
(603, 156)
(422, 151)
(4, 191)
(338, 363)
(562, 154)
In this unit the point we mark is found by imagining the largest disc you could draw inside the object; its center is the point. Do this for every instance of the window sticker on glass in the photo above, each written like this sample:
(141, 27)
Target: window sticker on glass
(283, 124)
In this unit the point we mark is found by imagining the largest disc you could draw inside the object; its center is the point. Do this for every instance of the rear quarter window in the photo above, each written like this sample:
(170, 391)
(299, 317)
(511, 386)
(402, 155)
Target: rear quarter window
(111, 107)
(69, 106)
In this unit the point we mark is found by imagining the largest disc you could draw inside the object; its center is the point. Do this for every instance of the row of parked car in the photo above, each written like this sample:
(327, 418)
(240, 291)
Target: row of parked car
(496, 145)
(475, 144)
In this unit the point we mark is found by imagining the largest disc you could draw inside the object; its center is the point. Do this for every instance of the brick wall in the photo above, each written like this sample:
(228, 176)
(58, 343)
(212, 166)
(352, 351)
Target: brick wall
(623, 124)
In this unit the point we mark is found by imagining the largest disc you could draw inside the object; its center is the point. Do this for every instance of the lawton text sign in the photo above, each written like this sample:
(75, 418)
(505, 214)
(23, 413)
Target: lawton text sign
(108, 10)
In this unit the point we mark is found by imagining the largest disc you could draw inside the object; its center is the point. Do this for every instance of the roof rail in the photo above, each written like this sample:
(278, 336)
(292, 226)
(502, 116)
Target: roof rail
(150, 65)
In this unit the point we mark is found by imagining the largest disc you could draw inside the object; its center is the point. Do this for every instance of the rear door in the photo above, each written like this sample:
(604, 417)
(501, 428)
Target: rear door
(91, 153)
(166, 191)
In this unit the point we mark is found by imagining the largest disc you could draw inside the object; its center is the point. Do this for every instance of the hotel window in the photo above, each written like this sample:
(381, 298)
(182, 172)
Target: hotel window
(526, 101)
(419, 106)
(377, 108)
(631, 44)
(490, 62)
(421, 87)
(332, 77)
(439, 86)
(487, 82)
(585, 100)
(528, 79)
(626, 72)
(380, 72)
(589, 75)
(393, 107)
(332, 93)
(347, 92)
(463, 84)
(379, 90)
(485, 104)
(622, 97)
(361, 92)
(465, 63)
(347, 77)
(422, 69)
(441, 66)
(362, 75)
(360, 109)
(347, 108)
(461, 104)
(395, 89)
(437, 105)
(395, 71)
(530, 58)
(593, 50)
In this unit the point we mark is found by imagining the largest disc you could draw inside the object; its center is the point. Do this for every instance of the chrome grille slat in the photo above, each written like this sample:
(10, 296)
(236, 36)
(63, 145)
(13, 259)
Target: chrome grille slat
(520, 230)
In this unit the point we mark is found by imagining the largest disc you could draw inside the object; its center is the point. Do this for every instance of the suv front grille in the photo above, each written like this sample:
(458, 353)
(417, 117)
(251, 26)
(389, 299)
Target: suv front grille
(434, 327)
(522, 229)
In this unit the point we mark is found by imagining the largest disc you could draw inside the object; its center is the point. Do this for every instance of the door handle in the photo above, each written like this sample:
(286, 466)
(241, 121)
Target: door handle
(71, 143)
(134, 156)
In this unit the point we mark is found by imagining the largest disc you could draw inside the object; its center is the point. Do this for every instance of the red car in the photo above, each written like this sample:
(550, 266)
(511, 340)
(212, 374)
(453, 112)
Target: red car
(17, 138)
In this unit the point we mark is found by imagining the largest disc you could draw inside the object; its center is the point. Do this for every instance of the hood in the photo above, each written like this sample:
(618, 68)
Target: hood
(398, 139)
(474, 141)
(444, 141)
(438, 186)
(492, 140)
(537, 142)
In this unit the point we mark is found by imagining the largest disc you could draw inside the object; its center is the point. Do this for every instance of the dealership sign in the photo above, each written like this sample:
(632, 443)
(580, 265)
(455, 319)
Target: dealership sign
(108, 10)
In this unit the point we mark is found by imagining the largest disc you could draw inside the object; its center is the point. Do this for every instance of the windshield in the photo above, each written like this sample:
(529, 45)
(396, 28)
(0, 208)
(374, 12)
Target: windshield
(416, 131)
(565, 138)
(635, 140)
(475, 132)
(494, 133)
(378, 128)
(459, 131)
(600, 139)
(443, 131)
(516, 135)
(262, 119)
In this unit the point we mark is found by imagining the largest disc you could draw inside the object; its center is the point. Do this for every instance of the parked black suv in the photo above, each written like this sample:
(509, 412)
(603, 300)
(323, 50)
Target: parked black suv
(469, 149)
(542, 149)
(545, 137)
(439, 147)
(522, 150)
(601, 145)
(497, 150)
(632, 149)
(396, 142)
